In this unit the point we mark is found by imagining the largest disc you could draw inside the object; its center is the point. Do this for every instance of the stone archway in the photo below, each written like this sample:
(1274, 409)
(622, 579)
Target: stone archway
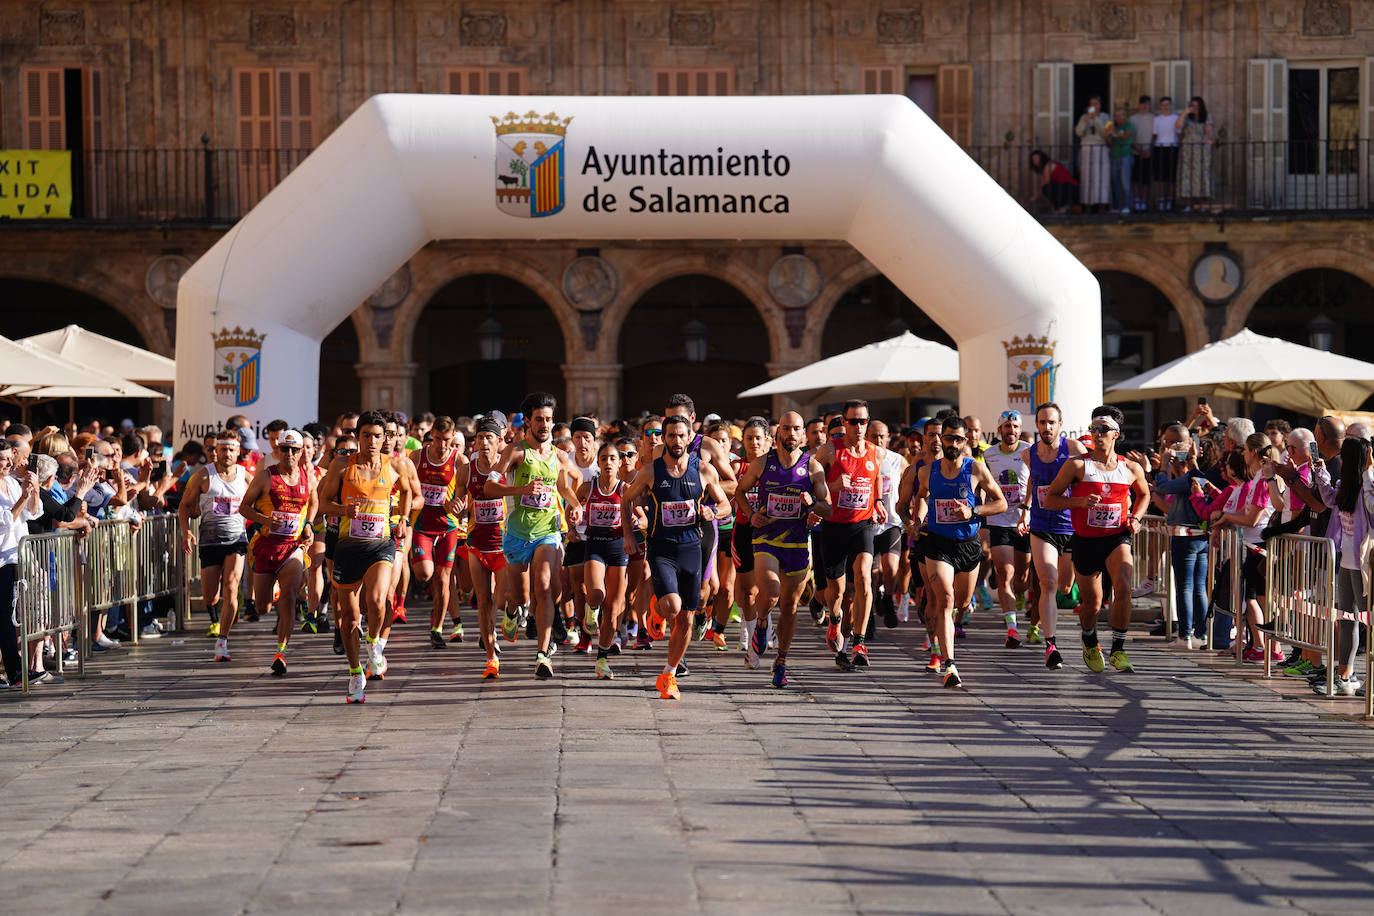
(152, 335)
(1171, 283)
(1286, 262)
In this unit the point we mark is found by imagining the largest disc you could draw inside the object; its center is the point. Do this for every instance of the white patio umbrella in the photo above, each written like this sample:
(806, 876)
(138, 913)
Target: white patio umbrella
(901, 366)
(76, 343)
(1249, 368)
(30, 374)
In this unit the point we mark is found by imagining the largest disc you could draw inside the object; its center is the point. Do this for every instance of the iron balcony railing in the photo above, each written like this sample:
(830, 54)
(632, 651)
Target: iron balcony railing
(218, 186)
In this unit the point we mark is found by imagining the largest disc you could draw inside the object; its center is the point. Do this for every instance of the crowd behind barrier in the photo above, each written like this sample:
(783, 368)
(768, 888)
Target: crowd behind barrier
(1253, 547)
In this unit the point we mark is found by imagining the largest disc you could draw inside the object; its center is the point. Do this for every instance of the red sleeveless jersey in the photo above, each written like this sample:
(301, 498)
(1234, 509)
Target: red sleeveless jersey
(853, 503)
(488, 513)
(436, 491)
(287, 502)
(1113, 514)
(602, 511)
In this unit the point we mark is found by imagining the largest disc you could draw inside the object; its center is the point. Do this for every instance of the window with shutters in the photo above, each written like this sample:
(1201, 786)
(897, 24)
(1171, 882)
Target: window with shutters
(487, 81)
(45, 108)
(694, 81)
(63, 108)
(944, 93)
(276, 126)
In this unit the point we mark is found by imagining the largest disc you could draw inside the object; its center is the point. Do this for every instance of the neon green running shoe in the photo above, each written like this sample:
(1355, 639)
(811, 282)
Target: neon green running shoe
(590, 619)
(1092, 657)
(1034, 636)
(1119, 660)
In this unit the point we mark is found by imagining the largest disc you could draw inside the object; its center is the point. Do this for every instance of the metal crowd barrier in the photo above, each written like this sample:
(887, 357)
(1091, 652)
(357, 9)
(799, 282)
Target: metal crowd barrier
(47, 596)
(1301, 580)
(63, 581)
(1150, 551)
(1226, 549)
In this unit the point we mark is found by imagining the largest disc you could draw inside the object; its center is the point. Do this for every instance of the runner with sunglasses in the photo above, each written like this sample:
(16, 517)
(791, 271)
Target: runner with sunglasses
(946, 504)
(853, 472)
(279, 500)
(1107, 497)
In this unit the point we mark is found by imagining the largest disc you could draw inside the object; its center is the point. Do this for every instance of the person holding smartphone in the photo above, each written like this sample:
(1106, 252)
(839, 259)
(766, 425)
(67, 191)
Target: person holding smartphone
(1179, 478)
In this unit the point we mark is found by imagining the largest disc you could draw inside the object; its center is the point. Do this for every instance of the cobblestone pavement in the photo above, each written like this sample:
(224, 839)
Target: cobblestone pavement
(167, 784)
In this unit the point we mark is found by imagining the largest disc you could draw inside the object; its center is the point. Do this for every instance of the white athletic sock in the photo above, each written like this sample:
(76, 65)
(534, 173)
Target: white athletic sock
(670, 669)
(381, 643)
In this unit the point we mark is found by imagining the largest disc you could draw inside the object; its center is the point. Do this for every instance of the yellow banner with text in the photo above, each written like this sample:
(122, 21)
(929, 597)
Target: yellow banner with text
(35, 184)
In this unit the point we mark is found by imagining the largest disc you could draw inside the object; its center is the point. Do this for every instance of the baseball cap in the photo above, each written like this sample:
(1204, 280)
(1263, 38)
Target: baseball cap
(496, 415)
(247, 441)
(711, 418)
(290, 437)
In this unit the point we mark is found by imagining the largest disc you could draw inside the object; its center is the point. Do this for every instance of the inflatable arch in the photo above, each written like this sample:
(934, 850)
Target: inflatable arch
(407, 169)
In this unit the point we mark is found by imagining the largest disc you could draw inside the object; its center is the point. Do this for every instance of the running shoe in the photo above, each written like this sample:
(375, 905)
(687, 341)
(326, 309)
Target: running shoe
(1092, 657)
(1146, 587)
(591, 618)
(322, 619)
(456, 635)
(1013, 639)
(543, 668)
(984, 597)
(338, 641)
(667, 686)
(562, 634)
(1340, 686)
(1318, 674)
(1053, 660)
(842, 661)
(683, 670)
(399, 615)
(614, 648)
(309, 625)
(357, 685)
(817, 612)
(643, 642)
(758, 638)
(1067, 601)
(510, 627)
(698, 627)
(832, 636)
(279, 664)
(584, 644)
(1301, 668)
(376, 664)
(779, 674)
(950, 678)
(603, 669)
(213, 632)
(934, 663)
(735, 613)
(436, 640)
(860, 659)
(222, 650)
(1121, 661)
(751, 652)
(1253, 654)
(531, 625)
(958, 631)
(889, 612)
(772, 640)
(492, 671)
(656, 626)
(250, 613)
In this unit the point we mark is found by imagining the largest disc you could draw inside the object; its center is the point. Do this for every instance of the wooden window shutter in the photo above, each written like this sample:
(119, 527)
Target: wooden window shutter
(880, 81)
(955, 91)
(254, 109)
(1053, 106)
(694, 81)
(1172, 78)
(487, 81)
(94, 116)
(1266, 123)
(295, 112)
(45, 109)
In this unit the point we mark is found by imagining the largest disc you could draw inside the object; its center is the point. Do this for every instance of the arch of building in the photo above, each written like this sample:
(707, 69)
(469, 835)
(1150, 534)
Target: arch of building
(112, 295)
(1285, 263)
(404, 170)
(1171, 284)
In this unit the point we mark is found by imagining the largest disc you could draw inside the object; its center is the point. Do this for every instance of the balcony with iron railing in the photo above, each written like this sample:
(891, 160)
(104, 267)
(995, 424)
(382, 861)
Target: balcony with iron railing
(215, 187)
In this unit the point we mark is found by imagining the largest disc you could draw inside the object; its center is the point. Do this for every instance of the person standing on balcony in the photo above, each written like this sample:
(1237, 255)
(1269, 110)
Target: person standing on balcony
(1094, 129)
(1195, 155)
(1143, 122)
(1165, 154)
(1123, 146)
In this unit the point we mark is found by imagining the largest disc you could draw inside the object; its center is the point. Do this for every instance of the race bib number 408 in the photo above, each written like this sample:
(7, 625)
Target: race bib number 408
(784, 505)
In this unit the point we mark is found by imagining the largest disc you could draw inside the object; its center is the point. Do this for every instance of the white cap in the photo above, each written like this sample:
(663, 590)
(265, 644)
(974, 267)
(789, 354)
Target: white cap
(290, 437)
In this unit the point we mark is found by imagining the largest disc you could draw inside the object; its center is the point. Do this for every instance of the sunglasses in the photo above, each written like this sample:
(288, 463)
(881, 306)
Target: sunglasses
(346, 451)
(1011, 415)
(628, 456)
(954, 440)
(856, 421)
(288, 449)
(653, 432)
(1100, 429)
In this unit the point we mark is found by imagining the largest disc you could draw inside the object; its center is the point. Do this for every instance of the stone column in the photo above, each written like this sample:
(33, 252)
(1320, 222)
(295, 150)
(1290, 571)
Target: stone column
(387, 385)
(592, 386)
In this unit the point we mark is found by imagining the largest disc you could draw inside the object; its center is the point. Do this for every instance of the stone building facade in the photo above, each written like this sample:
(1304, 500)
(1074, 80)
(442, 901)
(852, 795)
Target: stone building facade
(182, 115)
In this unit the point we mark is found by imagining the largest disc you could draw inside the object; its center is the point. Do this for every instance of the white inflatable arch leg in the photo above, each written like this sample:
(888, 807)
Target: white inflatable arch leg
(407, 169)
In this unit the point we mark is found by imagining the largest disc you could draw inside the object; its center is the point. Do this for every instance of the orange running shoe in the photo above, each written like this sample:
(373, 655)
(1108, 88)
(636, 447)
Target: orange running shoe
(667, 686)
(656, 626)
(493, 670)
(934, 664)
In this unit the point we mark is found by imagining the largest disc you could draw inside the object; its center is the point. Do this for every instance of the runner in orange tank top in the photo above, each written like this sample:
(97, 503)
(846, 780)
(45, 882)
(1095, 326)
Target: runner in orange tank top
(853, 467)
(280, 499)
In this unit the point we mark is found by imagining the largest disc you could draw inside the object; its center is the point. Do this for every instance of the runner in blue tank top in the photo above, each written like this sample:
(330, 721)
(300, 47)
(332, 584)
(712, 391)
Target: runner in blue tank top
(680, 492)
(946, 502)
(1049, 529)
